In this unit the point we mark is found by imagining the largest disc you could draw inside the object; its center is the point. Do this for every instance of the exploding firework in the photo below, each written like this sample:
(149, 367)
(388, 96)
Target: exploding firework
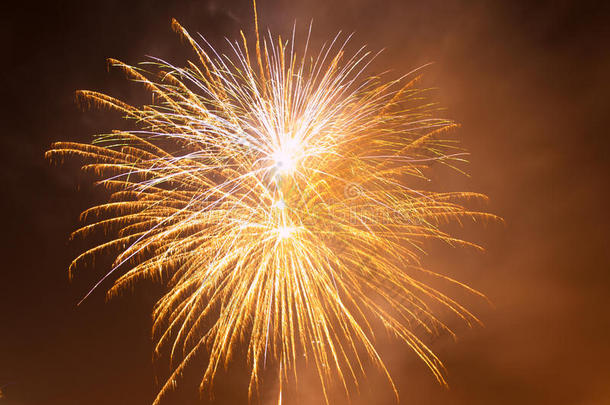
(273, 195)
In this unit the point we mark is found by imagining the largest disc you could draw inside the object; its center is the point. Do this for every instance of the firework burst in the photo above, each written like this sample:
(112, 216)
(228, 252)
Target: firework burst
(272, 194)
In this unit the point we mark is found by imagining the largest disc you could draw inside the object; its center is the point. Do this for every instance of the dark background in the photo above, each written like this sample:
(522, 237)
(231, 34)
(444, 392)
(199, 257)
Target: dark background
(529, 84)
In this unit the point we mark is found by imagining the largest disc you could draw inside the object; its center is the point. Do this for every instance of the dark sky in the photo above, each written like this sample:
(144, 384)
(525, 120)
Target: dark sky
(529, 84)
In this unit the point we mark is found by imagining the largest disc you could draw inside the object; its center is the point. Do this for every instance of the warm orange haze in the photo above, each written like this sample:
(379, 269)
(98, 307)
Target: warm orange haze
(280, 195)
(264, 213)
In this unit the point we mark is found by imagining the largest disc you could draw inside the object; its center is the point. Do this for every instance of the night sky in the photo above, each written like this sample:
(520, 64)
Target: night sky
(529, 84)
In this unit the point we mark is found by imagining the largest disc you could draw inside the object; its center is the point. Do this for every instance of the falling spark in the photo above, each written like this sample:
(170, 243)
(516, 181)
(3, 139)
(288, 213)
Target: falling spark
(273, 195)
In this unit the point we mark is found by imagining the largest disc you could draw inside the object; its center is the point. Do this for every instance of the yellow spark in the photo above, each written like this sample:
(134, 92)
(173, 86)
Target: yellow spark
(236, 192)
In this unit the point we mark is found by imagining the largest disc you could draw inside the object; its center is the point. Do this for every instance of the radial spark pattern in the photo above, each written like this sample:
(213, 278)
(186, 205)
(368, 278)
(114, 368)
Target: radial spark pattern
(273, 195)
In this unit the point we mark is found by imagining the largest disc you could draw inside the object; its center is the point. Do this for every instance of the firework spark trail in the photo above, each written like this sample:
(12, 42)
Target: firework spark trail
(232, 193)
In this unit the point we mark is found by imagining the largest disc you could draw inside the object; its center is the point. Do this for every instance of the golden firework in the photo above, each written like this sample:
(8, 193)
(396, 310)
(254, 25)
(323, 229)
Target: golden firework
(272, 194)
